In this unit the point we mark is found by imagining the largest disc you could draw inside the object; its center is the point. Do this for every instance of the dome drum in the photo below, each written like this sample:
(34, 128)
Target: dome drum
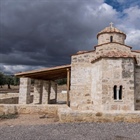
(111, 34)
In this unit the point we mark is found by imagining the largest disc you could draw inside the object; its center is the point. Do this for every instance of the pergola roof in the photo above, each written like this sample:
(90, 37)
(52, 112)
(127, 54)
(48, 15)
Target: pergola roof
(52, 73)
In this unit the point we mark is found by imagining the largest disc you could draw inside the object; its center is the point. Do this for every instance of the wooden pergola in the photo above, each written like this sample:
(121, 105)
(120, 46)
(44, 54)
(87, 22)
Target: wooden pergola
(53, 73)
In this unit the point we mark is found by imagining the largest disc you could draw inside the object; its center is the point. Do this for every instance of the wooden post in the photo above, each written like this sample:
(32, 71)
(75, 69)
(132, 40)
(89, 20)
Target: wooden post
(68, 86)
(56, 92)
(49, 92)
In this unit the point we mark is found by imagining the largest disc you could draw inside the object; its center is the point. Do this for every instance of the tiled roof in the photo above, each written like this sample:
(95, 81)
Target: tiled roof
(110, 29)
(83, 52)
(112, 43)
(114, 54)
(137, 51)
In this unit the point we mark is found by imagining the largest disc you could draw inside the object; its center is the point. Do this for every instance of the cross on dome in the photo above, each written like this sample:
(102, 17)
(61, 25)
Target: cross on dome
(111, 24)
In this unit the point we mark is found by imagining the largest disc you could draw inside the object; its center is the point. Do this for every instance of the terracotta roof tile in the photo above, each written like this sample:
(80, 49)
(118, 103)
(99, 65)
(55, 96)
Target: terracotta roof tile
(112, 43)
(83, 52)
(137, 51)
(114, 54)
(110, 30)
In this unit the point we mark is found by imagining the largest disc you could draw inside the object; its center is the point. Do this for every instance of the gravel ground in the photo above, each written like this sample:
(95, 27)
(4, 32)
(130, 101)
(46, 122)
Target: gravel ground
(72, 131)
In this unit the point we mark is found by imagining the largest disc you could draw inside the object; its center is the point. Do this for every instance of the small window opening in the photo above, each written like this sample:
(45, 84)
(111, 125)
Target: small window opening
(120, 93)
(111, 38)
(117, 93)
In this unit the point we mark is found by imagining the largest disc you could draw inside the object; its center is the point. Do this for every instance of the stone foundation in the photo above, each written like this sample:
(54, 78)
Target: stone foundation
(29, 109)
(66, 114)
(91, 116)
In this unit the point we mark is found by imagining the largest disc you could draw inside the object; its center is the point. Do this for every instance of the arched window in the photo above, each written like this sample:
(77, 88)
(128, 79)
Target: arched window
(111, 38)
(115, 92)
(120, 93)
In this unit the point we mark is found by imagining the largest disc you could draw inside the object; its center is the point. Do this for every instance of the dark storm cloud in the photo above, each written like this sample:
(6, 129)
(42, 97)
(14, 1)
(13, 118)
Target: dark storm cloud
(44, 32)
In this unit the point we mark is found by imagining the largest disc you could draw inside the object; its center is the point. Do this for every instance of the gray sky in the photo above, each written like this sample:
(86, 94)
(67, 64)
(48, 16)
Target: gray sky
(44, 33)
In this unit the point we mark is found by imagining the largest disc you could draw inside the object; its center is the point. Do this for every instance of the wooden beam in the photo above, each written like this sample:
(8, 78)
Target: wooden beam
(49, 92)
(68, 87)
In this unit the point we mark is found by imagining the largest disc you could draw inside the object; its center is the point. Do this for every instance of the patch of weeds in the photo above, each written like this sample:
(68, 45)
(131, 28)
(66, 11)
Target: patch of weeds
(98, 114)
(9, 116)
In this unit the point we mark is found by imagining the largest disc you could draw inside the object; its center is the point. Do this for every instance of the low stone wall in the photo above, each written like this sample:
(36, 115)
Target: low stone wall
(61, 96)
(8, 95)
(29, 109)
(66, 114)
(90, 116)
(11, 100)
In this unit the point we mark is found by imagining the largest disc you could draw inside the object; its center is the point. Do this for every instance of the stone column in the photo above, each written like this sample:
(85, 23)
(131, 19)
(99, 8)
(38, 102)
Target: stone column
(38, 85)
(53, 94)
(24, 90)
(46, 92)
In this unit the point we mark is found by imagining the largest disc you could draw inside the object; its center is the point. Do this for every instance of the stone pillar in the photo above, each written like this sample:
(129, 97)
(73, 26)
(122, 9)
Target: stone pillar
(46, 92)
(55, 89)
(24, 90)
(38, 85)
(53, 94)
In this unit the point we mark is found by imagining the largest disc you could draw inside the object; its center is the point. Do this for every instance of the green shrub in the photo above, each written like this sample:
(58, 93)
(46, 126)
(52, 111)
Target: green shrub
(9, 116)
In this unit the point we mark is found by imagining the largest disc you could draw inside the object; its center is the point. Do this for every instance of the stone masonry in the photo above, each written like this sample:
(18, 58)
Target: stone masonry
(111, 67)
(45, 92)
(24, 91)
(105, 79)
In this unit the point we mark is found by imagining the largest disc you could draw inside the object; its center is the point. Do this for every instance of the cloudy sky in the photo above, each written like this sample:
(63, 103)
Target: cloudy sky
(44, 33)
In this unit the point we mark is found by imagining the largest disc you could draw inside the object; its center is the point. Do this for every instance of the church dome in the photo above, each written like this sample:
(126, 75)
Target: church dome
(111, 34)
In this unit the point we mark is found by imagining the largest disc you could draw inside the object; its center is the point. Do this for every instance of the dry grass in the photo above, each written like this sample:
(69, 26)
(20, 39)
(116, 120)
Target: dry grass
(14, 89)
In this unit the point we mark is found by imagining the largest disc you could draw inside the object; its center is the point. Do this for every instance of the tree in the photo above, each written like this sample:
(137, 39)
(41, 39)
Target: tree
(15, 80)
(61, 81)
(2, 80)
(9, 81)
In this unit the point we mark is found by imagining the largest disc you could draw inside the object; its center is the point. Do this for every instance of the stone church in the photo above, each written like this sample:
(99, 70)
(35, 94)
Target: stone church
(106, 78)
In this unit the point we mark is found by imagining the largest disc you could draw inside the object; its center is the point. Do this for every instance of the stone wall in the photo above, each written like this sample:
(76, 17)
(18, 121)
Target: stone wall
(80, 90)
(62, 97)
(8, 95)
(91, 116)
(29, 109)
(105, 38)
(10, 100)
(137, 54)
(87, 83)
(137, 88)
(111, 47)
(84, 76)
(87, 57)
(119, 72)
(96, 85)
